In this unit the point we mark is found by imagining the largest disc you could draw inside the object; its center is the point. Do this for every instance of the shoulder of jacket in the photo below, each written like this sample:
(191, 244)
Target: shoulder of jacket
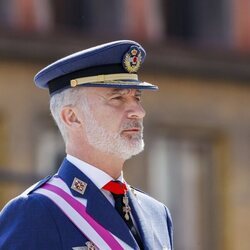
(135, 189)
(37, 185)
(139, 194)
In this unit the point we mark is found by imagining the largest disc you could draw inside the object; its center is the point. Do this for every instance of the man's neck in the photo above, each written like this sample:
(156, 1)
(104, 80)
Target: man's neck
(108, 163)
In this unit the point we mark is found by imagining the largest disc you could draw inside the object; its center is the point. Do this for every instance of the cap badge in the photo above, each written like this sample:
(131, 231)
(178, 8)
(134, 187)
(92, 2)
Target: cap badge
(79, 186)
(132, 60)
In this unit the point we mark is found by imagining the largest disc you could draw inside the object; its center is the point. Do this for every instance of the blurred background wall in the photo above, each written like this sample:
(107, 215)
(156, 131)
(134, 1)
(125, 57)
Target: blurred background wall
(197, 128)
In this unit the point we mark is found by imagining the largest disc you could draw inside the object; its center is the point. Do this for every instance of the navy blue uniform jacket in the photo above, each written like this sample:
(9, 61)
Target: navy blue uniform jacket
(32, 221)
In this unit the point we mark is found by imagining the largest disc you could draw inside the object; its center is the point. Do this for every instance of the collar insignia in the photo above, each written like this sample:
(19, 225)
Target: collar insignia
(132, 60)
(78, 185)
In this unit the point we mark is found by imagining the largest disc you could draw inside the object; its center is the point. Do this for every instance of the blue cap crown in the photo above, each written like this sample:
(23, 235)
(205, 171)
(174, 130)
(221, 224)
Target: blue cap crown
(112, 64)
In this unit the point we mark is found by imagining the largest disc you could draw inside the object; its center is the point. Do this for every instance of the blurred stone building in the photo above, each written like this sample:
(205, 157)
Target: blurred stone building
(197, 128)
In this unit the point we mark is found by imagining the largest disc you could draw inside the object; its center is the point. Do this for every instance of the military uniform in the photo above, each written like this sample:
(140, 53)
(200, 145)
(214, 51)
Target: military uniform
(32, 221)
(70, 210)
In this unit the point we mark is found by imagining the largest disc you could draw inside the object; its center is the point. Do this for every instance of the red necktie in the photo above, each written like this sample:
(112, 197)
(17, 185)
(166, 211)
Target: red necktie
(118, 190)
(116, 187)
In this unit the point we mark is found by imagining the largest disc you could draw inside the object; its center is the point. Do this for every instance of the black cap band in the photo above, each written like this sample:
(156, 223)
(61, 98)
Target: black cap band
(63, 82)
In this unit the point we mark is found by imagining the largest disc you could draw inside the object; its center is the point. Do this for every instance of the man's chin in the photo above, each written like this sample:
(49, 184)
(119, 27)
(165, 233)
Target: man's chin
(122, 147)
(136, 147)
(130, 148)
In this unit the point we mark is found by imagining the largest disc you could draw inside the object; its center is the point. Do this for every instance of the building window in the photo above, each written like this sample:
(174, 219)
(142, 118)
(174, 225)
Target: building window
(49, 149)
(198, 21)
(49, 152)
(181, 175)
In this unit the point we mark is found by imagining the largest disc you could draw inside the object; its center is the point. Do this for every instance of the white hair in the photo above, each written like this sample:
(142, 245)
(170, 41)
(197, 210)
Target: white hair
(69, 97)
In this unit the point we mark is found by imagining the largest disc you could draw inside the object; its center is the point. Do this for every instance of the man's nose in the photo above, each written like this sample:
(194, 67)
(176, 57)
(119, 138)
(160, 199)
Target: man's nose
(136, 111)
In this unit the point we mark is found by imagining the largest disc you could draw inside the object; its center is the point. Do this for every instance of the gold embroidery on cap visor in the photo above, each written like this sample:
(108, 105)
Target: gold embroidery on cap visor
(111, 78)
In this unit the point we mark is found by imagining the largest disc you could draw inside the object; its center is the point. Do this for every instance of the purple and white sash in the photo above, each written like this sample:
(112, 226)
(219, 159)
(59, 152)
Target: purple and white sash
(75, 209)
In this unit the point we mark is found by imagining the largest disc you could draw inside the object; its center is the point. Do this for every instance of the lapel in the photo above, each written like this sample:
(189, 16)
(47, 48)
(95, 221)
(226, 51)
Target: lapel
(98, 207)
(142, 221)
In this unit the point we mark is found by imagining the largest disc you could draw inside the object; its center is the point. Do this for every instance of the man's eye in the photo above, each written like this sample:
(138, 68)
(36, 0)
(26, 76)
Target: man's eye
(116, 97)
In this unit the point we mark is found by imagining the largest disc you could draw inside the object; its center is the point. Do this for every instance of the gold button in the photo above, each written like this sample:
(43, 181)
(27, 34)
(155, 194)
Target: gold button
(73, 83)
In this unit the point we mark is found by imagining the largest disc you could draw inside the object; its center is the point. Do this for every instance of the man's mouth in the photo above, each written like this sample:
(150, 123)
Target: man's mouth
(132, 133)
(132, 128)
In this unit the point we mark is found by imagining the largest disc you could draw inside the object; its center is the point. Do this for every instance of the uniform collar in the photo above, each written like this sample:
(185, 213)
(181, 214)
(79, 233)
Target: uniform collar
(96, 175)
(98, 207)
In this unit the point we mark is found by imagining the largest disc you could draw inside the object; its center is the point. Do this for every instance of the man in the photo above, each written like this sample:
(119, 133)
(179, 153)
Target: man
(96, 103)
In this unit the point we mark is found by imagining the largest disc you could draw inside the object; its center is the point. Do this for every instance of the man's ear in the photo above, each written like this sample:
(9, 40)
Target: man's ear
(69, 117)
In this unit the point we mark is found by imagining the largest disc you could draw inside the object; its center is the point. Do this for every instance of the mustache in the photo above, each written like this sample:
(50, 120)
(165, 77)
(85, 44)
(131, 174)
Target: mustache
(132, 124)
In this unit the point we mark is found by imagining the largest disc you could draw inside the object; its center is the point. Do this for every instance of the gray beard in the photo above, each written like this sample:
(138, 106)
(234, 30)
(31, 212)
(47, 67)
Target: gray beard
(123, 147)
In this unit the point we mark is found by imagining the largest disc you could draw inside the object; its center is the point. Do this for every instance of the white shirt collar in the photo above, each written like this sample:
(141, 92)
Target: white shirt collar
(96, 175)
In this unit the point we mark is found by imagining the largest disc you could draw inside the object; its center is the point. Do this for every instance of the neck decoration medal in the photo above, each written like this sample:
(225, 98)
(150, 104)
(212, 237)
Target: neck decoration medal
(126, 209)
